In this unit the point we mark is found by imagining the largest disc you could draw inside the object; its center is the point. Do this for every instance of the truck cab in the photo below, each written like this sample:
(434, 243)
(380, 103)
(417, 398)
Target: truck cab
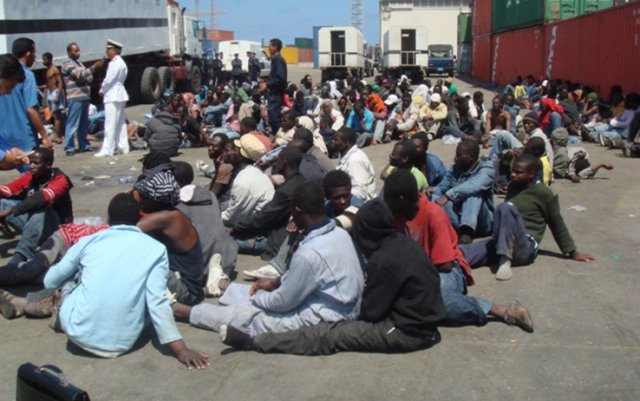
(441, 60)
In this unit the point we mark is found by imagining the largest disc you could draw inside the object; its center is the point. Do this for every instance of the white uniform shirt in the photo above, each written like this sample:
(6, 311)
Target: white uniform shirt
(113, 84)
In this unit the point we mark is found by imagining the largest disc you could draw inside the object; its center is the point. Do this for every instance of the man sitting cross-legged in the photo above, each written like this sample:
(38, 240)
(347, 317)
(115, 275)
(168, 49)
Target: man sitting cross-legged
(108, 297)
(324, 281)
(401, 303)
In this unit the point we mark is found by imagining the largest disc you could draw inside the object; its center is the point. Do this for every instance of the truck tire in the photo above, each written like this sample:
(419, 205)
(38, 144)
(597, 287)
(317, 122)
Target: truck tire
(195, 79)
(150, 85)
(166, 79)
(132, 85)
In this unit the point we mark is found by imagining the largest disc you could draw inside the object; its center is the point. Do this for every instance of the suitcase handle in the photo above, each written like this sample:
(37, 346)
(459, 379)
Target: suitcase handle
(55, 371)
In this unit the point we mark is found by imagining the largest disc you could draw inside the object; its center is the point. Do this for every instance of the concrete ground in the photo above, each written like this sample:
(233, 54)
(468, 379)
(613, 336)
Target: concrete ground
(586, 344)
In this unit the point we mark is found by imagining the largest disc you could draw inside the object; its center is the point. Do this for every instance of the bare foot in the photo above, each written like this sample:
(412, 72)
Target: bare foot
(56, 139)
(608, 166)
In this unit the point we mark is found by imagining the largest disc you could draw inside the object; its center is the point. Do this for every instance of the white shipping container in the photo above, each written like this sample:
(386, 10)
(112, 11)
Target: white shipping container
(340, 50)
(405, 47)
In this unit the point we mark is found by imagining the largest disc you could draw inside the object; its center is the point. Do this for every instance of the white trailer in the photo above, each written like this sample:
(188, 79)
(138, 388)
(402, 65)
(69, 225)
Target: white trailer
(162, 46)
(340, 52)
(241, 47)
(405, 51)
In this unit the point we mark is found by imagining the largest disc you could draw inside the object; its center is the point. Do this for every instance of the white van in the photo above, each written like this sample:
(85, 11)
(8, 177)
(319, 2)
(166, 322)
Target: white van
(230, 47)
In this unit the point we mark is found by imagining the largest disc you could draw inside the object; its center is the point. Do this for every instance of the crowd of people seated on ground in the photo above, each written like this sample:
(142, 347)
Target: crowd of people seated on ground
(300, 193)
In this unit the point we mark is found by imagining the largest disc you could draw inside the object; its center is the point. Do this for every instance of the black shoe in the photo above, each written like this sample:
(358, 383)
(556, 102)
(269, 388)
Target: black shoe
(465, 239)
(235, 338)
(69, 153)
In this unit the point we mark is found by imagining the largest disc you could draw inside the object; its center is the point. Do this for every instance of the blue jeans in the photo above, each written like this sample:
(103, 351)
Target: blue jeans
(34, 226)
(251, 246)
(509, 239)
(503, 140)
(473, 212)
(555, 121)
(460, 307)
(77, 121)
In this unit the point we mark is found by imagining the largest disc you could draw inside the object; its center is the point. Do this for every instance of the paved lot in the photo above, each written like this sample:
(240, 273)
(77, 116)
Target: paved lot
(585, 345)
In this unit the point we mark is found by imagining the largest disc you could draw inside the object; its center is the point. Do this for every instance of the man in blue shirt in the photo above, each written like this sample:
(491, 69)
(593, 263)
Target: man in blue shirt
(276, 84)
(11, 74)
(20, 122)
(361, 121)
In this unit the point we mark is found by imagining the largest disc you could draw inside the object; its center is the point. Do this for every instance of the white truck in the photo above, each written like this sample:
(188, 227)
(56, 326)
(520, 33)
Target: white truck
(240, 47)
(405, 52)
(340, 52)
(162, 46)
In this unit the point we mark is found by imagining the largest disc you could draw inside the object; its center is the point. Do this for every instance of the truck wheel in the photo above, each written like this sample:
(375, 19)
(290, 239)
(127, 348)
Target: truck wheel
(132, 85)
(166, 79)
(196, 79)
(150, 85)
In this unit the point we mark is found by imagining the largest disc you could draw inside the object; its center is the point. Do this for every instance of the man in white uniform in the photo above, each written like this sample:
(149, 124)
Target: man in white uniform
(115, 99)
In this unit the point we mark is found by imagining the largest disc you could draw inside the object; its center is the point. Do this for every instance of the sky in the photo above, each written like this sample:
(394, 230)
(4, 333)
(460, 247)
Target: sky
(286, 19)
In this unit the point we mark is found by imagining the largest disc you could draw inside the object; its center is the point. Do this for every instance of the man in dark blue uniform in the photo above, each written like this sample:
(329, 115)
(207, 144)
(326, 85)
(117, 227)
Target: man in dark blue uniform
(276, 84)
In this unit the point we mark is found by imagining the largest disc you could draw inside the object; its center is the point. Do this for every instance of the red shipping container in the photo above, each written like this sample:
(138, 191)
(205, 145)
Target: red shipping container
(600, 49)
(516, 53)
(481, 18)
(481, 58)
(305, 55)
(219, 36)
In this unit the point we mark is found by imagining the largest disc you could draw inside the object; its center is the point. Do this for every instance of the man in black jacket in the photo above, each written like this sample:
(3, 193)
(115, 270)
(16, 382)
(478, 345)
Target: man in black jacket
(265, 230)
(276, 84)
(401, 303)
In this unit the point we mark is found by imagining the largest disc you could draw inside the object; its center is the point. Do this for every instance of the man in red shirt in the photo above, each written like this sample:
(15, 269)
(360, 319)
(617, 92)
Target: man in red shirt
(35, 203)
(429, 226)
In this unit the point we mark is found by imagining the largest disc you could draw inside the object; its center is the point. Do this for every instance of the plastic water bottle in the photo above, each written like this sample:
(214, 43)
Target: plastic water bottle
(127, 179)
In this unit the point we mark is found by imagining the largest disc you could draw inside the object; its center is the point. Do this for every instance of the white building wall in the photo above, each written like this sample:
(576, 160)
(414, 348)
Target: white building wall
(441, 21)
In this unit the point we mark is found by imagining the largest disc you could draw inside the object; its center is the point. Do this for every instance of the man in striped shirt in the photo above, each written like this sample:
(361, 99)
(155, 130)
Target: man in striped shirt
(77, 80)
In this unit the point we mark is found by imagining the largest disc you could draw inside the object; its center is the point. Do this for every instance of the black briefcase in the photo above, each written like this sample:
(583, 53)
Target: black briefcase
(46, 383)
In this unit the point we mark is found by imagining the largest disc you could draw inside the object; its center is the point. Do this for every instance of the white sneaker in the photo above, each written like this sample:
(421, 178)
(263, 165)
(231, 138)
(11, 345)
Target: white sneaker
(504, 273)
(604, 141)
(201, 166)
(266, 271)
(215, 275)
(100, 154)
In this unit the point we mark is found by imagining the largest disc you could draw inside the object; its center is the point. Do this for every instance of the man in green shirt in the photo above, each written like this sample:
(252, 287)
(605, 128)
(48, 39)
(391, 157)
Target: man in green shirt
(520, 222)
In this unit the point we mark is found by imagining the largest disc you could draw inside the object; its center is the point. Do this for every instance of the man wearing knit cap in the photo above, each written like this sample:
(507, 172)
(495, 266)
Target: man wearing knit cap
(115, 98)
(158, 194)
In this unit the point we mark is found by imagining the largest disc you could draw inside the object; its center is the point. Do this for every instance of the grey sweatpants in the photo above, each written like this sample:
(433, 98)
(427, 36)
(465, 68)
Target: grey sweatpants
(348, 335)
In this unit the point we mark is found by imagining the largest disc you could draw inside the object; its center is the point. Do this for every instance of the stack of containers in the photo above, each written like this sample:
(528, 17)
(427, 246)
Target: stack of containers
(464, 43)
(568, 39)
(481, 42)
(305, 49)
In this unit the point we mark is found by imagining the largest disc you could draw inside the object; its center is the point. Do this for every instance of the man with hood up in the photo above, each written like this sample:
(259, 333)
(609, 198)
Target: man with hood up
(401, 303)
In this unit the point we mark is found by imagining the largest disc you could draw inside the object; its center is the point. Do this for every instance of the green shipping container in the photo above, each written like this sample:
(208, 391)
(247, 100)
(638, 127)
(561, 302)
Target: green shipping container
(561, 9)
(303, 43)
(464, 28)
(564, 9)
(508, 15)
(589, 6)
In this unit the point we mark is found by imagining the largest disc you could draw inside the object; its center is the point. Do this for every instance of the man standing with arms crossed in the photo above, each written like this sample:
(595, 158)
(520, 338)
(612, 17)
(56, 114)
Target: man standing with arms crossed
(276, 84)
(115, 99)
(77, 78)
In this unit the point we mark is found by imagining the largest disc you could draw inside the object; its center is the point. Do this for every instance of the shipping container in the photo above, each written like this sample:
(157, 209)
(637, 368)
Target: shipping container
(516, 53)
(591, 6)
(561, 9)
(316, 53)
(305, 55)
(218, 36)
(481, 58)
(564, 9)
(511, 15)
(585, 50)
(464, 28)
(481, 18)
(303, 43)
(290, 54)
(464, 58)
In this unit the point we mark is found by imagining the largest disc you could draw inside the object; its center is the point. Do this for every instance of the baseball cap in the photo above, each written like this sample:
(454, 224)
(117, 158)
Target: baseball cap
(250, 147)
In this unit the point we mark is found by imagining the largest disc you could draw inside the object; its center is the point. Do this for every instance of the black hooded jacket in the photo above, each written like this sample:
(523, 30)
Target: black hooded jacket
(401, 282)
